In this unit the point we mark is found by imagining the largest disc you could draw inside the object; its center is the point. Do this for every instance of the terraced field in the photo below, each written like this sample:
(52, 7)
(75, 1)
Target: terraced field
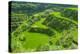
(43, 27)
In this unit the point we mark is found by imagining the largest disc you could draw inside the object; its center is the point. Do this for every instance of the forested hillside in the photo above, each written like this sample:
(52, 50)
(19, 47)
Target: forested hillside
(43, 27)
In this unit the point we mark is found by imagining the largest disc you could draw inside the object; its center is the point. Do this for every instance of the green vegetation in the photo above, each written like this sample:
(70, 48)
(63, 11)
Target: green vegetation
(43, 27)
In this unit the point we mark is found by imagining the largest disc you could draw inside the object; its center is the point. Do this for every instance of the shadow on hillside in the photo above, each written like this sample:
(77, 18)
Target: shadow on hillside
(42, 31)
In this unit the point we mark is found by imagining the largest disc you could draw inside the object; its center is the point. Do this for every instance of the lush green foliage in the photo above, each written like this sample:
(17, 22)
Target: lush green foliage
(43, 27)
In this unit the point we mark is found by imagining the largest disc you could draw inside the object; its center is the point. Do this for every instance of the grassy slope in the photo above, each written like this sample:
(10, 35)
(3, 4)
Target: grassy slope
(34, 40)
